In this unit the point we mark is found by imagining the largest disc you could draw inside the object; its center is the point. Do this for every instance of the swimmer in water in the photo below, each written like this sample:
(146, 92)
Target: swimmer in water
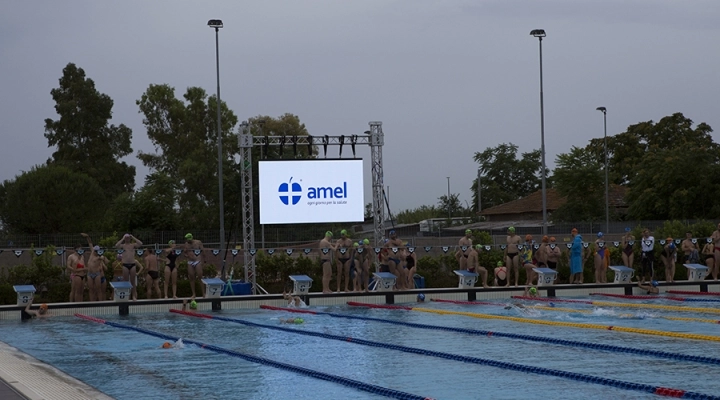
(420, 298)
(193, 304)
(27, 313)
(292, 321)
(293, 301)
(531, 292)
(652, 288)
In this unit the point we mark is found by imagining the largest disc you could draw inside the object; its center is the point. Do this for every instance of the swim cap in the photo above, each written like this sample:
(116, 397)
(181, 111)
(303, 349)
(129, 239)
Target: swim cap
(392, 232)
(366, 241)
(468, 231)
(171, 242)
(328, 234)
(299, 320)
(551, 304)
(500, 264)
(356, 244)
(511, 229)
(43, 306)
(421, 297)
(533, 290)
(96, 248)
(599, 234)
(478, 246)
(528, 237)
(344, 232)
(654, 283)
(627, 229)
(166, 345)
(193, 305)
(669, 239)
(189, 236)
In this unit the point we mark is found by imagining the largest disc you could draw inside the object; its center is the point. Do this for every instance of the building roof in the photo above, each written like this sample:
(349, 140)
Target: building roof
(533, 202)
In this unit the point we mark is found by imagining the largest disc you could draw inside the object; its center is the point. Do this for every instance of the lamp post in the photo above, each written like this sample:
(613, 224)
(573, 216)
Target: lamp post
(448, 200)
(607, 190)
(540, 34)
(217, 24)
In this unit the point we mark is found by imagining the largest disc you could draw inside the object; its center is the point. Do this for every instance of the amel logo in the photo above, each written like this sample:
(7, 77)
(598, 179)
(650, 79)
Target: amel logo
(290, 192)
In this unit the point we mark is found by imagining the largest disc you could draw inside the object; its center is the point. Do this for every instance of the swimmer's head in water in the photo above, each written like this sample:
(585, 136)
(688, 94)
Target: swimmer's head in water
(299, 320)
(420, 297)
(193, 305)
(366, 241)
(654, 283)
(43, 308)
(533, 290)
(167, 345)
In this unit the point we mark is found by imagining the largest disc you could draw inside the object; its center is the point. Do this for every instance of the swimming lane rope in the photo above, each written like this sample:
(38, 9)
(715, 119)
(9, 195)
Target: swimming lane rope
(542, 339)
(678, 393)
(264, 361)
(648, 297)
(557, 323)
(634, 305)
(694, 293)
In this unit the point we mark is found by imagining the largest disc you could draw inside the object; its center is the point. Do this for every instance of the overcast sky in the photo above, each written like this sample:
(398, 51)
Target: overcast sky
(446, 78)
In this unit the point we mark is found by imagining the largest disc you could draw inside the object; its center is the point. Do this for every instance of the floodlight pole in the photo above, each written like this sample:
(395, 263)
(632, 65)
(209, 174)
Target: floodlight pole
(540, 34)
(607, 185)
(373, 138)
(217, 24)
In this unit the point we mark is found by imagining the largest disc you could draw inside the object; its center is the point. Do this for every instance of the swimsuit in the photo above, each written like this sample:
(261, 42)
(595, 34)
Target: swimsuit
(648, 257)
(153, 274)
(171, 257)
(343, 260)
(409, 262)
(708, 256)
(628, 250)
(512, 255)
(552, 264)
(129, 266)
(193, 264)
(384, 268)
(93, 275)
(395, 260)
(503, 281)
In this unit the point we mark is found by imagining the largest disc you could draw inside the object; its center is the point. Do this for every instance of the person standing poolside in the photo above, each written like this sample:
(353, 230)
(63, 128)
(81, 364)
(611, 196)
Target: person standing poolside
(152, 280)
(501, 274)
(460, 255)
(512, 255)
(362, 266)
(541, 254)
(669, 258)
(628, 255)
(95, 266)
(716, 242)
(410, 266)
(326, 251)
(553, 254)
(526, 257)
(708, 253)
(194, 253)
(343, 252)
(601, 258)
(169, 255)
(648, 256)
(128, 244)
(690, 249)
(76, 268)
(395, 261)
(576, 258)
(473, 264)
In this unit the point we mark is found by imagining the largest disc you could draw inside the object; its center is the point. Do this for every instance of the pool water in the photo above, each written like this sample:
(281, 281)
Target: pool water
(130, 365)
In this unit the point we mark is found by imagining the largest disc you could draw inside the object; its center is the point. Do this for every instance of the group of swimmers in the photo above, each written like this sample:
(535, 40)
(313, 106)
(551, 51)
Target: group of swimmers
(90, 271)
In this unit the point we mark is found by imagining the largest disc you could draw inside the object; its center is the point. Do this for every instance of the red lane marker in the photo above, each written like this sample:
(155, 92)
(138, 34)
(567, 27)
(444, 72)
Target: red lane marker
(694, 293)
(89, 318)
(638, 297)
(485, 303)
(191, 314)
(295, 310)
(668, 392)
(388, 306)
(610, 328)
(553, 299)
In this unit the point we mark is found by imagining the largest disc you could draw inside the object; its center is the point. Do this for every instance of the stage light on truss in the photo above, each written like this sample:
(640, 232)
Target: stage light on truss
(341, 140)
(353, 141)
(326, 139)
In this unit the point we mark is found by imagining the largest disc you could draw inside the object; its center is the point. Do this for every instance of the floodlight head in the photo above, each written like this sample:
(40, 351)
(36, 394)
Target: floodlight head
(215, 23)
(603, 109)
(538, 33)
(367, 132)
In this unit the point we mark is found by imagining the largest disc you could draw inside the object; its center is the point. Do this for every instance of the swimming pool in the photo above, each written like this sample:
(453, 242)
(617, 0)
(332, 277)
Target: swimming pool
(130, 365)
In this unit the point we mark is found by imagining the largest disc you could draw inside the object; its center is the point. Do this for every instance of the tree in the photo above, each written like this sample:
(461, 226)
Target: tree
(580, 178)
(450, 206)
(85, 141)
(152, 208)
(185, 138)
(504, 177)
(51, 199)
(421, 213)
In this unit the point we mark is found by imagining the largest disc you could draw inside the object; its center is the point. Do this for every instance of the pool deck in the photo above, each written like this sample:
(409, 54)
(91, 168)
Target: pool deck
(23, 377)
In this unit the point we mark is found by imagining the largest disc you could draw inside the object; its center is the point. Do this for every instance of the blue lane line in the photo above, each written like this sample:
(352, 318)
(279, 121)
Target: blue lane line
(542, 339)
(264, 361)
(481, 361)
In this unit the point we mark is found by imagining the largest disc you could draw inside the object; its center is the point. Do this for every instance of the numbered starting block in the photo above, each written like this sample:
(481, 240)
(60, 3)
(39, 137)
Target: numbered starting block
(122, 290)
(623, 274)
(696, 272)
(301, 284)
(213, 287)
(466, 279)
(25, 294)
(383, 281)
(546, 276)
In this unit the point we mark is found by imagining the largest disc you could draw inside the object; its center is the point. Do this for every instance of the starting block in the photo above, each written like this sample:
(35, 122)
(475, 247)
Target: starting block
(623, 274)
(696, 272)
(301, 284)
(25, 294)
(546, 276)
(121, 290)
(213, 287)
(466, 279)
(384, 281)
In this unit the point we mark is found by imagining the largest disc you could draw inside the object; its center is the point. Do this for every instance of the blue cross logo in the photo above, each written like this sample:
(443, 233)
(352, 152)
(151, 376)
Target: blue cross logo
(295, 192)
